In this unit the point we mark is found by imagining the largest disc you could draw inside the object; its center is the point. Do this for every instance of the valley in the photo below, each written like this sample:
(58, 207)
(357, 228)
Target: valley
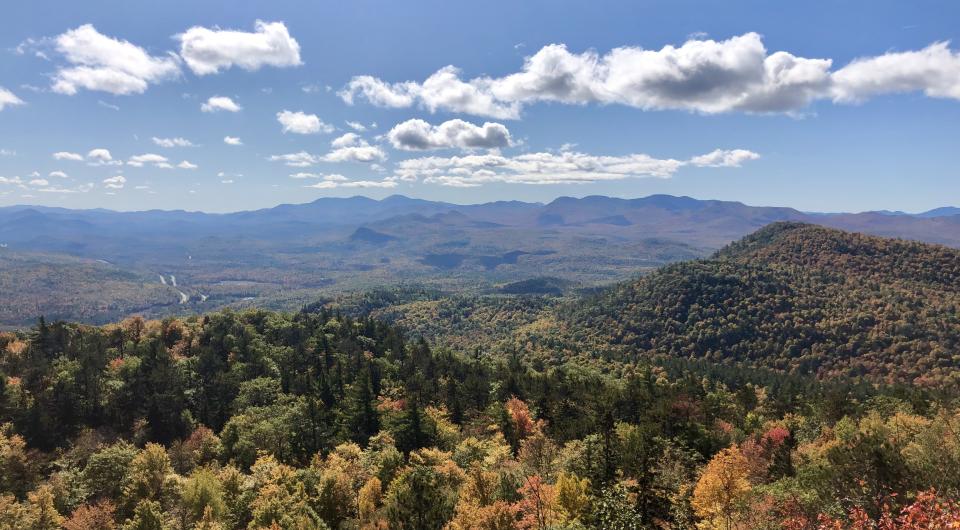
(288, 256)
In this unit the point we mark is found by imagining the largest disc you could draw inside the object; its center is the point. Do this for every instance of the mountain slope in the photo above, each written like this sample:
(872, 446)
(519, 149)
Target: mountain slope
(794, 297)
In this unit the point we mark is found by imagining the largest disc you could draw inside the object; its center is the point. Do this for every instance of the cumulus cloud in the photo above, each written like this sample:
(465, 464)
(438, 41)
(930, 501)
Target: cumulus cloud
(357, 126)
(58, 174)
(350, 147)
(209, 51)
(444, 90)
(701, 75)
(220, 103)
(565, 167)
(39, 182)
(101, 157)
(114, 183)
(418, 135)
(232, 140)
(172, 142)
(66, 155)
(8, 98)
(99, 62)
(934, 70)
(151, 159)
(347, 140)
(187, 165)
(724, 158)
(301, 123)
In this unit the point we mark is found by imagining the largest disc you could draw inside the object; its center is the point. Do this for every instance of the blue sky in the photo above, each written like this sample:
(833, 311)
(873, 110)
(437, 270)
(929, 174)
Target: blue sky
(546, 99)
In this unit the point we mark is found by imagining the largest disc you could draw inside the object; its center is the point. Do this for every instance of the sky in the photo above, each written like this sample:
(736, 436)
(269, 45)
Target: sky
(233, 105)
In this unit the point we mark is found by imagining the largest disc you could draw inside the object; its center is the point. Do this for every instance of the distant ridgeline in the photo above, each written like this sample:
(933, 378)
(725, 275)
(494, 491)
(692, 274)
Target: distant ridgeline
(100, 266)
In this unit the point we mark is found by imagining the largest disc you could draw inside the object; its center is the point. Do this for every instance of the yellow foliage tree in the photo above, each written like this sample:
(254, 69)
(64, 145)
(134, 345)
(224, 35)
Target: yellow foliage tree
(722, 489)
(572, 496)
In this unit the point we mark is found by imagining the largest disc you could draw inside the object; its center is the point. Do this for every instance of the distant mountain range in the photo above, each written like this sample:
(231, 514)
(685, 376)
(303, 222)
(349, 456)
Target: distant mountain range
(286, 255)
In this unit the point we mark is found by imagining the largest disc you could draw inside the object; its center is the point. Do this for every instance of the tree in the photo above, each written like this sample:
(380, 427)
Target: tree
(537, 508)
(722, 489)
(97, 516)
(146, 516)
(11, 513)
(41, 512)
(573, 496)
(208, 521)
(150, 477)
(369, 499)
(17, 473)
(420, 498)
(106, 471)
(202, 493)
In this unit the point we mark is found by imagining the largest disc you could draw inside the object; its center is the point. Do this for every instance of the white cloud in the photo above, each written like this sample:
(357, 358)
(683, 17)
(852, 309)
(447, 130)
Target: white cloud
(58, 174)
(347, 140)
(357, 126)
(110, 106)
(218, 103)
(39, 182)
(301, 159)
(66, 155)
(11, 180)
(8, 98)
(724, 158)
(83, 188)
(208, 51)
(99, 62)
(934, 70)
(7, 152)
(101, 157)
(356, 153)
(300, 123)
(114, 183)
(418, 135)
(565, 167)
(186, 165)
(444, 90)
(232, 140)
(380, 93)
(330, 184)
(701, 75)
(360, 151)
(334, 177)
(172, 142)
(149, 158)
(226, 181)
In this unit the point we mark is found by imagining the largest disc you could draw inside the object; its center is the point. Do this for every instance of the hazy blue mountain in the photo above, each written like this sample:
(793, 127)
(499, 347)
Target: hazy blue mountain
(286, 254)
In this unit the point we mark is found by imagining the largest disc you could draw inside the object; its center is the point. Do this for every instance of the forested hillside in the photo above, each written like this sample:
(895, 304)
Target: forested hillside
(793, 297)
(314, 420)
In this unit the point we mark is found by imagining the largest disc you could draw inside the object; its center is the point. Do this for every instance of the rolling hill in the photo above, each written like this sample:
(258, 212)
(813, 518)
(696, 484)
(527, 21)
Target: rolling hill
(797, 298)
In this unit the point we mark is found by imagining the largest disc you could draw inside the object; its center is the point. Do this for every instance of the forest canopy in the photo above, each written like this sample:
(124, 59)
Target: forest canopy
(765, 387)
